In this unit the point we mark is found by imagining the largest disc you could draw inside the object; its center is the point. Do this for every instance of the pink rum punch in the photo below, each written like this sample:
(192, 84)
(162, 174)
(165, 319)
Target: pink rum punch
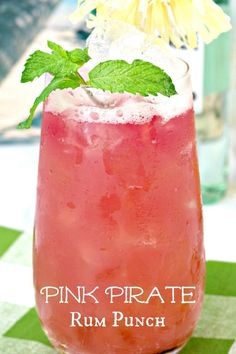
(119, 206)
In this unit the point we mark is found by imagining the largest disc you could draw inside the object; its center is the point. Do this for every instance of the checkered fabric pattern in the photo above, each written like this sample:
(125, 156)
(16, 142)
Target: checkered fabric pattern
(20, 330)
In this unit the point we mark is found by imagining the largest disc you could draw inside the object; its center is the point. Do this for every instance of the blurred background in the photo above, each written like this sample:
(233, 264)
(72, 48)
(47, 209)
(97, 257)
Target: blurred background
(26, 26)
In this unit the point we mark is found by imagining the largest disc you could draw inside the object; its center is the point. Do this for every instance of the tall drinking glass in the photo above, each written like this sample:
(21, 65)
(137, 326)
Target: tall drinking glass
(118, 250)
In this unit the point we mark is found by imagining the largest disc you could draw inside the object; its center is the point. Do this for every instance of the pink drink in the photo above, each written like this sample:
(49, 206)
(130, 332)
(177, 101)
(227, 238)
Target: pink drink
(118, 205)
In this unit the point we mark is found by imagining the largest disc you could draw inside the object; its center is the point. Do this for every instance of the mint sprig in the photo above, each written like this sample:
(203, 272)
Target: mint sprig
(140, 77)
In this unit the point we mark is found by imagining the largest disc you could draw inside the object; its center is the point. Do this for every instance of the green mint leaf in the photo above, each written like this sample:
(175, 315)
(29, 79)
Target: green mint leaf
(40, 63)
(140, 77)
(79, 56)
(37, 64)
(59, 63)
(73, 81)
(56, 48)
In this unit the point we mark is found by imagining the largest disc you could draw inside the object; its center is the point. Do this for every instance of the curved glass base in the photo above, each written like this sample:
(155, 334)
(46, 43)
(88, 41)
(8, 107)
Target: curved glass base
(174, 351)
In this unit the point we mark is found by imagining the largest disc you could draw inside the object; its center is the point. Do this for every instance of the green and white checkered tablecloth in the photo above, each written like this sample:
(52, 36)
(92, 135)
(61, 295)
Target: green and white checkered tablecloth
(20, 330)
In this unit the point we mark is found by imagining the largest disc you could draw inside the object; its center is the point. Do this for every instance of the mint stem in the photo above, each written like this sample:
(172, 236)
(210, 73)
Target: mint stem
(83, 82)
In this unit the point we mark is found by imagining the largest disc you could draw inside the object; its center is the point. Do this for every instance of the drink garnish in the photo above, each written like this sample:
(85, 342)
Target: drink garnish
(176, 21)
(139, 77)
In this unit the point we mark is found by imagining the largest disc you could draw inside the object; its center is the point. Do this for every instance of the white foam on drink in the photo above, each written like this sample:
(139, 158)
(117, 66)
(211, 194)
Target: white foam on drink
(92, 105)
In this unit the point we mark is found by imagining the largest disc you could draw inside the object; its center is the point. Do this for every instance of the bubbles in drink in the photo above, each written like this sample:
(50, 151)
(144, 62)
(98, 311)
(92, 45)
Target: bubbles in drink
(119, 113)
(94, 115)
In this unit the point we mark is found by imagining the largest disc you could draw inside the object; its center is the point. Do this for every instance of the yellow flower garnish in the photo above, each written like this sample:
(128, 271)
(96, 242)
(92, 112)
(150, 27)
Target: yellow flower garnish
(176, 21)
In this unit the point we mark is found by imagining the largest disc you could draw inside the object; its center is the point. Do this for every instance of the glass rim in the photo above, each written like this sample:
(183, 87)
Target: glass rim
(186, 71)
